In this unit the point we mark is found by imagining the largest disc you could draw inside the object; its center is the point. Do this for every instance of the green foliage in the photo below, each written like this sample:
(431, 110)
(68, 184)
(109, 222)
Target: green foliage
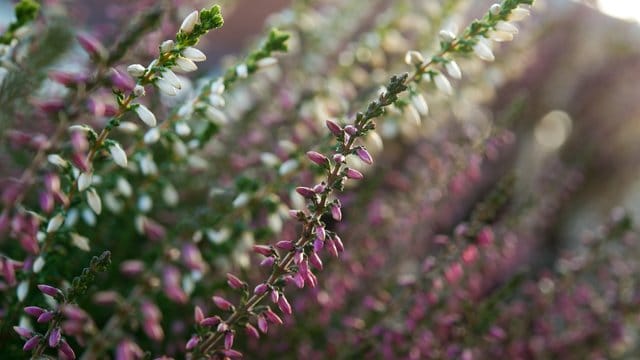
(26, 11)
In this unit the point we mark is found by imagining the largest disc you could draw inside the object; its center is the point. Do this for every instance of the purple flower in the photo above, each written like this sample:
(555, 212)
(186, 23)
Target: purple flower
(34, 311)
(261, 289)
(23, 332)
(222, 303)
(263, 325)
(314, 259)
(317, 158)
(354, 174)
(31, 343)
(334, 128)
(234, 282)
(67, 350)
(252, 331)
(306, 192)
(336, 212)
(263, 250)
(54, 337)
(211, 321)
(228, 340)
(45, 317)
(198, 315)
(285, 245)
(193, 342)
(284, 305)
(364, 155)
(351, 130)
(91, 45)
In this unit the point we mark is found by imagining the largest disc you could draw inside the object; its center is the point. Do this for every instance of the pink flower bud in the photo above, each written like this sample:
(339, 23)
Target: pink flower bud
(485, 236)
(354, 174)
(50, 106)
(25, 333)
(314, 259)
(54, 337)
(320, 232)
(273, 317)
(193, 342)
(319, 188)
(74, 313)
(470, 254)
(318, 244)
(334, 128)
(261, 289)
(233, 354)
(298, 280)
(153, 330)
(339, 158)
(67, 350)
(34, 311)
(30, 244)
(268, 262)
(150, 311)
(211, 321)
(285, 245)
(228, 340)
(453, 273)
(234, 282)
(351, 130)
(364, 155)
(31, 343)
(222, 303)
(317, 158)
(198, 315)
(338, 243)
(121, 81)
(275, 296)
(222, 327)
(45, 317)
(49, 290)
(263, 250)
(336, 212)
(298, 257)
(310, 279)
(132, 267)
(331, 247)
(284, 305)
(92, 46)
(305, 192)
(252, 331)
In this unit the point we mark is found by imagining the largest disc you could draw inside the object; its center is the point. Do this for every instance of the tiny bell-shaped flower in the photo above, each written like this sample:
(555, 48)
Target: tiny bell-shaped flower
(228, 339)
(447, 35)
(284, 305)
(193, 342)
(49, 290)
(443, 84)
(495, 9)
(413, 57)
(94, 201)
(261, 289)
(420, 104)
(31, 343)
(251, 331)
(118, 155)
(234, 282)
(211, 321)
(66, 349)
(222, 303)
(354, 174)
(263, 250)
(57, 160)
(305, 191)
(165, 87)
(285, 245)
(364, 155)
(34, 311)
(194, 54)
(166, 46)
(336, 212)
(55, 223)
(334, 127)
(453, 69)
(186, 65)
(136, 70)
(190, 22)
(171, 78)
(23, 332)
(54, 337)
(506, 27)
(45, 317)
(518, 14)
(145, 115)
(317, 158)
(84, 180)
(482, 50)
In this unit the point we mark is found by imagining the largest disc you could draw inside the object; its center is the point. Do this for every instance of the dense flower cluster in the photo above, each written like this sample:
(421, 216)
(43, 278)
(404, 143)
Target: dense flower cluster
(158, 211)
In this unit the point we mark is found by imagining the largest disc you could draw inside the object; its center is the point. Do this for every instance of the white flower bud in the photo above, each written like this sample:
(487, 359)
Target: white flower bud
(447, 35)
(443, 84)
(190, 22)
(242, 71)
(55, 223)
(216, 116)
(166, 87)
(145, 204)
(172, 78)
(182, 128)
(145, 115)
(506, 27)
(194, 54)
(216, 100)
(453, 69)
(288, 166)
(483, 51)
(186, 65)
(499, 36)
(167, 46)
(152, 136)
(266, 62)
(420, 104)
(38, 264)
(495, 9)
(124, 187)
(57, 160)
(170, 195)
(139, 91)
(89, 217)
(241, 200)
(94, 201)
(128, 127)
(179, 148)
(217, 87)
(413, 114)
(84, 180)
(136, 70)
(118, 155)
(23, 288)
(269, 159)
(80, 242)
(413, 57)
(518, 14)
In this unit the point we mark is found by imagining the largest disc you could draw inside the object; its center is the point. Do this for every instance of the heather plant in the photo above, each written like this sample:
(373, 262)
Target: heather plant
(182, 210)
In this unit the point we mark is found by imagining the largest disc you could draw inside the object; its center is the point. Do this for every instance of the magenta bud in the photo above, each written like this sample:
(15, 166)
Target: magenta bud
(193, 342)
(354, 174)
(31, 343)
(364, 155)
(334, 128)
(150, 311)
(34, 311)
(25, 333)
(233, 354)
(91, 45)
(314, 259)
(261, 289)
(339, 158)
(485, 236)
(67, 350)
(317, 158)
(275, 296)
(319, 188)
(54, 337)
(234, 282)
(30, 244)
(67, 78)
(222, 303)
(337, 241)
(273, 317)
(298, 280)
(351, 130)
(50, 106)
(311, 279)
(263, 250)
(285, 245)
(298, 257)
(211, 321)
(331, 247)
(198, 315)
(132, 267)
(336, 212)
(268, 261)
(121, 81)
(45, 317)
(284, 305)
(306, 192)
(318, 244)
(47, 202)
(73, 312)
(222, 327)
(228, 339)
(252, 331)
(320, 232)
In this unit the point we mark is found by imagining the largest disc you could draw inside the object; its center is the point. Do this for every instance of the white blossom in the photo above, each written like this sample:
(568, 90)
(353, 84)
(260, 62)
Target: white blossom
(145, 203)
(447, 35)
(124, 187)
(506, 27)
(242, 71)
(413, 57)
(172, 78)
(170, 195)
(55, 223)
(190, 22)
(186, 65)
(145, 115)
(166, 87)
(167, 46)
(453, 69)
(482, 50)
(266, 62)
(194, 54)
(118, 155)
(84, 180)
(443, 84)
(182, 128)
(23, 289)
(217, 87)
(94, 201)
(136, 70)
(57, 160)
(38, 264)
(518, 14)
(80, 242)
(152, 136)
(500, 36)
(420, 104)
(495, 9)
